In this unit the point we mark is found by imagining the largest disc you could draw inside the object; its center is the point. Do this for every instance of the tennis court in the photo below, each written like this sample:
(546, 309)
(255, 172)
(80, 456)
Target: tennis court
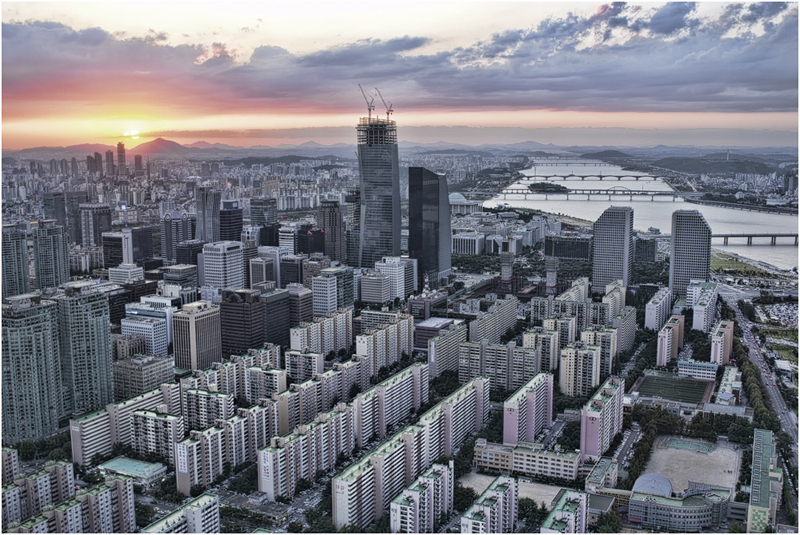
(680, 389)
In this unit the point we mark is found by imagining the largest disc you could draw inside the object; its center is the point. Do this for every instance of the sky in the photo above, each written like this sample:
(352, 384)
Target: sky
(266, 73)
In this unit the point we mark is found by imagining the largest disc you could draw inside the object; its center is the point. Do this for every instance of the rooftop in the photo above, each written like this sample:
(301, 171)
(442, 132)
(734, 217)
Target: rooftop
(161, 526)
(132, 467)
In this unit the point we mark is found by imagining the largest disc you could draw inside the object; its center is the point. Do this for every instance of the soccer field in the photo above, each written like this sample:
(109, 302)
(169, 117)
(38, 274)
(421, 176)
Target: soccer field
(683, 389)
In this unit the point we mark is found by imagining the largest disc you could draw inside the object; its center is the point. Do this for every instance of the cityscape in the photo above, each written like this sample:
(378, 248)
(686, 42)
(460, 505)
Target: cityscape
(399, 313)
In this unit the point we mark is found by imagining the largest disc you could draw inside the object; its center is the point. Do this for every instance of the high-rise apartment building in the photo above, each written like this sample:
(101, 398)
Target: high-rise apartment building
(548, 341)
(155, 433)
(16, 279)
(722, 342)
(580, 369)
(429, 236)
(50, 255)
(606, 339)
(329, 218)
(95, 219)
(690, 253)
(670, 340)
(176, 227)
(601, 419)
(495, 511)
(207, 200)
(197, 336)
(570, 513)
(507, 366)
(230, 221)
(379, 207)
(200, 515)
(657, 310)
(32, 399)
(529, 410)
(223, 267)
(419, 508)
(242, 319)
(613, 246)
(85, 344)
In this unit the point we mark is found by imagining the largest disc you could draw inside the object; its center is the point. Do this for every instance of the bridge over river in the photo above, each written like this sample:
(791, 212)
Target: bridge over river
(610, 193)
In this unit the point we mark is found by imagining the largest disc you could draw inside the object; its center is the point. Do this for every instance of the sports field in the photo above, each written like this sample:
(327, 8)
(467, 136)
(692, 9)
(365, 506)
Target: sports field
(681, 389)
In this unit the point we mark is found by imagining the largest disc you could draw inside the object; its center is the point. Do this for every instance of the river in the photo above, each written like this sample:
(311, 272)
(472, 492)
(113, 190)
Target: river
(658, 213)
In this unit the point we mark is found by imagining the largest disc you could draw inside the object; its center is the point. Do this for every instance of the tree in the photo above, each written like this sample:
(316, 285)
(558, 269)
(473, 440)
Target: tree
(27, 450)
(355, 389)
(463, 497)
(735, 527)
(295, 527)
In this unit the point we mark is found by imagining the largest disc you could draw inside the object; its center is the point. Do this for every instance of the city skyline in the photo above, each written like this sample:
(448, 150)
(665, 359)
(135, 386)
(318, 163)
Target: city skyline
(266, 74)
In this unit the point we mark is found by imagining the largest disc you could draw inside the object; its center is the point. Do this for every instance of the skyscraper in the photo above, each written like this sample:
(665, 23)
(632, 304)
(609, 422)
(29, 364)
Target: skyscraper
(230, 221)
(197, 336)
(50, 255)
(15, 261)
(242, 320)
(55, 207)
(329, 218)
(263, 211)
(429, 236)
(122, 168)
(176, 226)
(110, 163)
(380, 190)
(613, 246)
(74, 199)
(32, 402)
(207, 200)
(690, 254)
(95, 219)
(223, 266)
(84, 336)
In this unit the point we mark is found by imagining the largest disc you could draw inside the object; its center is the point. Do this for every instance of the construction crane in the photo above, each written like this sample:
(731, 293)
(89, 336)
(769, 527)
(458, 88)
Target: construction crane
(369, 101)
(389, 109)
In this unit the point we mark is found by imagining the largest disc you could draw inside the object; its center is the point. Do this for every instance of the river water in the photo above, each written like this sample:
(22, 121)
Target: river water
(658, 213)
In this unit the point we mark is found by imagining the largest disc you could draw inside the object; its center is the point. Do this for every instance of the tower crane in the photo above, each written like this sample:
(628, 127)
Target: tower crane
(370, 105)
(389, 109)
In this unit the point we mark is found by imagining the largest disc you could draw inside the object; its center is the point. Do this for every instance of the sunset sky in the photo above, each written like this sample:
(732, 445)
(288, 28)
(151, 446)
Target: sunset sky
(267, 73)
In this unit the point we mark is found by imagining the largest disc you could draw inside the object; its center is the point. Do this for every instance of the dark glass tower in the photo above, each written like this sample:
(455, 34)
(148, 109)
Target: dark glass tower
(230, 221)
(329, 218)
(612, 247)
(429, 233)
(690, 256)
(380, 190)
(207, 200)
(263, 211)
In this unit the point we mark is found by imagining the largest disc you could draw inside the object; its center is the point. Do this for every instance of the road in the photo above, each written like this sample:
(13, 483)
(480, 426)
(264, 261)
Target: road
(787, 417)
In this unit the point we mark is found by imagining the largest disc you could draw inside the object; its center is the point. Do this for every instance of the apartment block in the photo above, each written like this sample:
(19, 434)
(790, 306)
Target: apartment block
(10, 465)
(570, 513)
(625, 324)
(200, 515)
(580, 369)
(156, 433)
(418, 508)
(670, 340)
(606, 339)
(703, 299)
(322, 335)
(203, 408)
(657, 310)
(565, 326)
(262, 383)
(28, 494)
(302, 365)
(549, 347)
(493, 324)
(507, 366)
(200, 459)
(495, 511)
(722, 342)
(443, 350)
(601, 418)
(386, 343)
(528, 410)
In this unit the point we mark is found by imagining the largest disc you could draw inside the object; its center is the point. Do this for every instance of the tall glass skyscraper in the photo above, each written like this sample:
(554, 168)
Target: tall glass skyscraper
(50, 255)
(429, 224)
(690, 256)
(612, 256)
(207, 200)
(15, 261)
(380, 190)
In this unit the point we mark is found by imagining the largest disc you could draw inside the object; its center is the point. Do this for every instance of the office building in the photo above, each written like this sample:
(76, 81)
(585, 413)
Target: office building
(701, 507)
(670, 340)
(139, 374)
(16, 277)
(73, 228)
(154, 331)
(86, 370)
(420, 507)
(395, 269)
(613, 246)
(277, 308)
(197, 336)
(242, 320)
(54, 207)
(50, 255)
(207, 201)
(125, 273)
(495, 511)
(379, 208)
(153, 306)
(261, 270)
(580, 369)
(329, 218)
(32, 398)
(429, 236)
(658, 309)
(324, 295)
(176, 227)
(291, 269)
(529, 410)
(766, 483)
(188, 253)
(690, 253)
(376, 288)
(200, 515)
(570, 513)
(182, 275)
(230, 221)
(263, 211)
(95, 219)
(223, 267)
(345, 284)
(301, 304)
(122, 167)
(722, 342)
(601, 418)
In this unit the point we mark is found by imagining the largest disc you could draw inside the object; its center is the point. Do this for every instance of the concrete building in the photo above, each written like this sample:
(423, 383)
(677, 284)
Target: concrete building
(200, 515)
(625, 324)
(493, 324)
(580, 369)
(690, 256)
(176, 227)
(324, 295)
(495, 511)
(670, 340)
(302, 365)
(527, 458)
(419, 508)
(548, 342)
(706, 371)
(566, 327)
(429, 233)
(242, 321)
(387, 342)
(207, 203)
(601, 418)
(654, 505)
(16, 276)
(702, 297)
(766, 483)
(29, 493)
(301, 304)
(153, 330)
(657, 310)
(529, 410)
(508, 367)
(50, 255)
(197, 336)
(376, 288)
(139, 374)
(613, 246)
(95, 219)
(570, 514)
(223, 265)
(606, 339)
(156, 433)
(722, 342)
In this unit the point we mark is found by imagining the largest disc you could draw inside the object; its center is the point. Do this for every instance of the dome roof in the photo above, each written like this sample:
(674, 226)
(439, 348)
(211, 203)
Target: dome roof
(456, 197)
(653, 484)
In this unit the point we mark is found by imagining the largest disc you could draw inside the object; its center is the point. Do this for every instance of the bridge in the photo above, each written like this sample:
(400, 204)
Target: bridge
(609, 193)
(553, 162)
(773, 236)
(598, 176)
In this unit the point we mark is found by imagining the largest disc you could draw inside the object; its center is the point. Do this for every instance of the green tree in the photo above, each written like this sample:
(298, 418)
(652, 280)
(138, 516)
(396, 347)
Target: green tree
(295, 527)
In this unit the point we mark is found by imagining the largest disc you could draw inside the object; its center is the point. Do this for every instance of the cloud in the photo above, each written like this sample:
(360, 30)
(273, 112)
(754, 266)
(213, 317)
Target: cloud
(622, 58)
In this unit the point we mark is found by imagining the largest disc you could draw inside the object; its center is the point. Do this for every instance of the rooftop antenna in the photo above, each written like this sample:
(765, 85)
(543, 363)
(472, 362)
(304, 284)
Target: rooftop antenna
(369, 101)
(389, 109)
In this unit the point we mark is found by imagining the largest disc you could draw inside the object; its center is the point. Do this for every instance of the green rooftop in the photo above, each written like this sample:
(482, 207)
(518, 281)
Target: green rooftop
(132, 467)
(161, 526)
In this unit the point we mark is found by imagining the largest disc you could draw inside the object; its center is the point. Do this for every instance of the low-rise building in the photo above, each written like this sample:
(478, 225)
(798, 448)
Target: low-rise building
(570, 513)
